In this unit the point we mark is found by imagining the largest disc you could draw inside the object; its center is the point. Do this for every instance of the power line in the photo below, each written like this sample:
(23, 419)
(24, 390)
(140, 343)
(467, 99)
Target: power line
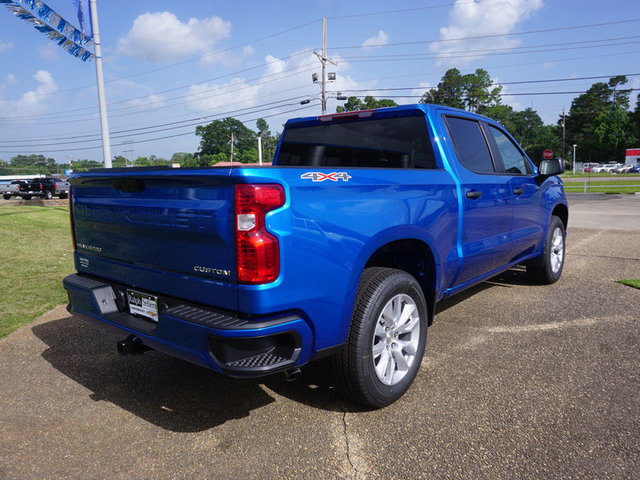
(39, 149)
(218, 52)
(159, 128)
(181, 87)
(495, 35)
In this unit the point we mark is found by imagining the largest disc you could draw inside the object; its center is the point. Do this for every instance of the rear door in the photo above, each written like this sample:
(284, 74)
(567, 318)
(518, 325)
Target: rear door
(486, 201)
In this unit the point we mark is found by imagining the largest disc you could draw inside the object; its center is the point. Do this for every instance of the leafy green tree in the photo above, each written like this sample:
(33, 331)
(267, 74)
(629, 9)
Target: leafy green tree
(249, 156)
(471, 91)
(216, 137)
(142, 162)
(119, 161)
(181, 157)
(84, 165)
(354, 104)
(33, 164)
(269, 142)
(5, 168)
(600, 123)
(450, 91)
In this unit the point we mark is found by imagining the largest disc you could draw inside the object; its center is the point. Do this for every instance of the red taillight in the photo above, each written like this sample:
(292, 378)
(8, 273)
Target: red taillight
(41, 186)
(73, 230)
(257, 251)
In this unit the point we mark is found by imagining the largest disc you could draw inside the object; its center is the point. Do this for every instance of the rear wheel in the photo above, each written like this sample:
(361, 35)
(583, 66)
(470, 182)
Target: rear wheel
(547, 268)
(6, 197)
(26, 197)
(48, 195)
(387, 338)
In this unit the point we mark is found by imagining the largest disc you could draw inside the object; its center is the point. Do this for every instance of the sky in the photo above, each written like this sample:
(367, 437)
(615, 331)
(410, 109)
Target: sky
(169, 66)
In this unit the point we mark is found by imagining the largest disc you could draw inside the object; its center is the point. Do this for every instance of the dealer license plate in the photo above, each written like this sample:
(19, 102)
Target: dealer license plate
(143, 304)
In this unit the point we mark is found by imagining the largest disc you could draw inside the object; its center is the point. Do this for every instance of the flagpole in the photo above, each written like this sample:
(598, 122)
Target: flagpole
(104, 123)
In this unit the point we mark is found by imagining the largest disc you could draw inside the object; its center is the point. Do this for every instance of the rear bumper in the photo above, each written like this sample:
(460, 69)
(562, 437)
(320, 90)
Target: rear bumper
(219, 340)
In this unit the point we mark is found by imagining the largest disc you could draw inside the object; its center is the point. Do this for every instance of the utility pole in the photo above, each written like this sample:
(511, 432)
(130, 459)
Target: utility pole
(259, 150)
(104, 123)
(563, 132)
(129, 151)
(323, 59)
(232, 142)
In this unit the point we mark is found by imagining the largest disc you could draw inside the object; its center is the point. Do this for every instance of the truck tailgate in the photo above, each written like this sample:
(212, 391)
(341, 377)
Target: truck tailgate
(163, 231)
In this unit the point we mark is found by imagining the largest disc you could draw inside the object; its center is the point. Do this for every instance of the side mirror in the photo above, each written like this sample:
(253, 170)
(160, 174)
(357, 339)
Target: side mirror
(551, 167)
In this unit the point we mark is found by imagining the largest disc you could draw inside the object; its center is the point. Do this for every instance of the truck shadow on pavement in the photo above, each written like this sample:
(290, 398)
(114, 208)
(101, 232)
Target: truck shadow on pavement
(182, 397)
(167, 392)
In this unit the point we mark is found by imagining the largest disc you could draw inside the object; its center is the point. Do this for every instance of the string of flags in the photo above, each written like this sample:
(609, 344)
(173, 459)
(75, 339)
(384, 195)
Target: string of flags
(49, 23)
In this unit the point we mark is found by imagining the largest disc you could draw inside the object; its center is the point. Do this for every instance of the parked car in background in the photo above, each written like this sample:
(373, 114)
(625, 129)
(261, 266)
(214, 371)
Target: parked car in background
(608, 168)
(47, 187)
(623, 169)
(11, 189)
(589, 167)
(634, 169)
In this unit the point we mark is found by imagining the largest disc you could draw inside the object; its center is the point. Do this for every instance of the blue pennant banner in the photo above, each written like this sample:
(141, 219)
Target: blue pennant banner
(49, 23)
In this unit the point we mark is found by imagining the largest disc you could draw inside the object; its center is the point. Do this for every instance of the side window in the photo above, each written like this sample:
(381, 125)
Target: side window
(470, 144)
(512, 158)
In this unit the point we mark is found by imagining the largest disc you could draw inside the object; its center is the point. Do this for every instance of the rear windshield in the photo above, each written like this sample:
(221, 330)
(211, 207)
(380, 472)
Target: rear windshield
(384, 143)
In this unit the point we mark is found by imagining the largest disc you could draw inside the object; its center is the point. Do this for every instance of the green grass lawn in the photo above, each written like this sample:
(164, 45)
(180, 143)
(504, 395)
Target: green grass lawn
(35, 255)
(614, 186)
(635, 283)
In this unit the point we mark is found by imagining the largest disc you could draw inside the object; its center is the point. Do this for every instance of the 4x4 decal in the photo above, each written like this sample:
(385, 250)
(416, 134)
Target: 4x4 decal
(321, 177)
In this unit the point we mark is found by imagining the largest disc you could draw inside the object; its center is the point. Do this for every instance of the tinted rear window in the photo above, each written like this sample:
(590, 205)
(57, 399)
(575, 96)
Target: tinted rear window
(470, 144)
(384, 143)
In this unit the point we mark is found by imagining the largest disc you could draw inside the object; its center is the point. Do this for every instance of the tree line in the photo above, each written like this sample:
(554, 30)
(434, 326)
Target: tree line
(600, 121)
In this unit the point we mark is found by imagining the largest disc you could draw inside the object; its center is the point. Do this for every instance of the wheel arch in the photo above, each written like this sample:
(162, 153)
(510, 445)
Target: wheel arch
(413, 256)
(562, 212)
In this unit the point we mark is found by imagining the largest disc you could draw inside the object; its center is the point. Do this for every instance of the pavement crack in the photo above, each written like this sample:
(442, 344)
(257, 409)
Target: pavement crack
(347, 443)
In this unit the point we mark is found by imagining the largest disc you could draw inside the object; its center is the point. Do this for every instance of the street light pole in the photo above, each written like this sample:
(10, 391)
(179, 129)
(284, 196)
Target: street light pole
(574, 158)
(104, 123)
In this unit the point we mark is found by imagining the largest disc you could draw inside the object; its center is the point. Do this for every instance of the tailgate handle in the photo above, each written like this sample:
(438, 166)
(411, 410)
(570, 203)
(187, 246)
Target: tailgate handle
(129, 185)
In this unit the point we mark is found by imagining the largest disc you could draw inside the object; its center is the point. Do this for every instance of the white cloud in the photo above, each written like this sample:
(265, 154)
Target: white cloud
(4, 46)
(33, 102)
(281, 79)
(49, 51)
(11, 78)
(377, 40)
(150, 101)
(479, 18)
(162, 37)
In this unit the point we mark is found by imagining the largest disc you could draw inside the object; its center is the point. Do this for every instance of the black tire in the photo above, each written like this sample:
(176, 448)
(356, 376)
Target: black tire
(26, 197)
(358, 368)
(48, 194)
(547, 268)
(6, 197)
(63, 195)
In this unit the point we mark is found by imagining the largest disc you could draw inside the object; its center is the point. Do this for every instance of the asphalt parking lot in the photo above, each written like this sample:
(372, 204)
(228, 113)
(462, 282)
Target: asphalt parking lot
(518, 381)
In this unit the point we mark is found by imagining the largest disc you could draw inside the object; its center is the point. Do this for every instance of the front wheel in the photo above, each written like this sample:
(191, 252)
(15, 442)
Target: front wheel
(547, 268)
(387, 338)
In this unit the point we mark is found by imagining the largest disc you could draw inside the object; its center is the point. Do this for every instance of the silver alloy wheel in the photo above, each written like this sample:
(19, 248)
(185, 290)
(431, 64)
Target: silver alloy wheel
(395, 339)
(557, 250)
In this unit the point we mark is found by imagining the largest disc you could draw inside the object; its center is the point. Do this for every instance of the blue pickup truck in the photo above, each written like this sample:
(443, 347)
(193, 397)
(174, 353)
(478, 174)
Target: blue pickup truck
(341, 249)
